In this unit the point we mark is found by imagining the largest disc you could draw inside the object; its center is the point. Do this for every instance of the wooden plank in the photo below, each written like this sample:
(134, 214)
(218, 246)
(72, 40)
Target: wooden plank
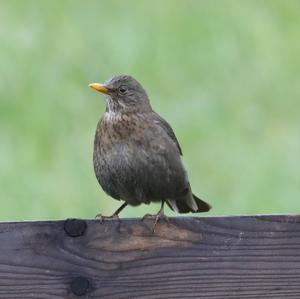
(211, 257)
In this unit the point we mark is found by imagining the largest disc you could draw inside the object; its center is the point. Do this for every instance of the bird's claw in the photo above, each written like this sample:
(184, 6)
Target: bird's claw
(157, 217)
(101, 218)
(160, 216)
(148, 216)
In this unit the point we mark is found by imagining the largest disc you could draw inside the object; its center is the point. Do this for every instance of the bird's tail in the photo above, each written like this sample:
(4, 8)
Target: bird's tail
(188, 203)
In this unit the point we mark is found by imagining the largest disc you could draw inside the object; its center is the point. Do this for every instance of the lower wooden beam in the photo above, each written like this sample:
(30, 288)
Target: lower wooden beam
(208, 257)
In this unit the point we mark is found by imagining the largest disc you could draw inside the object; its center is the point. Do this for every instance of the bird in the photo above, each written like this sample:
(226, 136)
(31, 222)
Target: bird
(137, 157)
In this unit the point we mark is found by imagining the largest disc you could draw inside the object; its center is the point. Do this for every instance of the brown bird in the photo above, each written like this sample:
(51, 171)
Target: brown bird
(136, 153)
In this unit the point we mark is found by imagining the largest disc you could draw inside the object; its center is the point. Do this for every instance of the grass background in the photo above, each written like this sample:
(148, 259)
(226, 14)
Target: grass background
(225, 74)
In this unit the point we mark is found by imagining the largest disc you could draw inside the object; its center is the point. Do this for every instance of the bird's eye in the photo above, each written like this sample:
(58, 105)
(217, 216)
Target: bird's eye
(122, 89)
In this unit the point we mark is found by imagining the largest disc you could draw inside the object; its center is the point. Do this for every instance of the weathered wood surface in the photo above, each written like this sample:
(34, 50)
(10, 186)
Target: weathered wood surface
(218, 257)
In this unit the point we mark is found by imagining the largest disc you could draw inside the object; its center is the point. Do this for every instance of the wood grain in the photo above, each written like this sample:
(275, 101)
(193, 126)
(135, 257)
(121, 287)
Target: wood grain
(212, 257)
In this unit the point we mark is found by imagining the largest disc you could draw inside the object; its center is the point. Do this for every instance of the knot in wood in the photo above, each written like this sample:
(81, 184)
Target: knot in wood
(75, 227)
(80, 286)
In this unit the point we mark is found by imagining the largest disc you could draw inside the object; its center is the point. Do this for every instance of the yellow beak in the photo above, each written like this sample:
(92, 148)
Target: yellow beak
(99, 87)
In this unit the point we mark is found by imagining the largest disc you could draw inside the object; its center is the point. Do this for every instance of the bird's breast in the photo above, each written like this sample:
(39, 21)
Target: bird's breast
(115, 129)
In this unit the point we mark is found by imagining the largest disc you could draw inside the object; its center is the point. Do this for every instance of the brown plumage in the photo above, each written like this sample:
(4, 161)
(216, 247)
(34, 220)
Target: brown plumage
(136, 153)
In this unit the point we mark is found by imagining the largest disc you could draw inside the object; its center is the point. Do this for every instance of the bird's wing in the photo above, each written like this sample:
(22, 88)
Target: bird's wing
(167, 128)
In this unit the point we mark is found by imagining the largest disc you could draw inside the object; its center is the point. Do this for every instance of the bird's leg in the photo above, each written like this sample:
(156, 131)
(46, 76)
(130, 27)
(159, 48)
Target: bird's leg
(114, 215)
(160, 215)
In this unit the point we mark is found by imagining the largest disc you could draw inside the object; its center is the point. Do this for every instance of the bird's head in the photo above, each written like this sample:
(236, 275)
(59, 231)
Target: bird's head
(124, 94)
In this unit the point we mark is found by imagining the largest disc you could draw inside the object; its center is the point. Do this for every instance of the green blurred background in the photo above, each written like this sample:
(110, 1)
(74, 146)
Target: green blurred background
(225, 74)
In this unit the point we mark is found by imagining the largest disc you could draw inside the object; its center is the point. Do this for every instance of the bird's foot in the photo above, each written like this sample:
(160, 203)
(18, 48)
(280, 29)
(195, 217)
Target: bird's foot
(160, 216)
(157, 217)
(148, 216)
(115, 215)
(101, 218)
